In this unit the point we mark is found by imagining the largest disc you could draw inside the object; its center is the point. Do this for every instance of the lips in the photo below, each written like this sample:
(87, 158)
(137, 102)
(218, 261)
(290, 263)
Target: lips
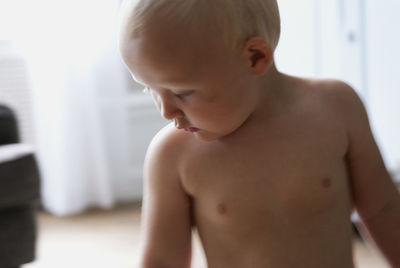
(189, 129)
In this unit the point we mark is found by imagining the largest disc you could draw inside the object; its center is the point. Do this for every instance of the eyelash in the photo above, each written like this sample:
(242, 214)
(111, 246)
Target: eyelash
(182, 95)
(146, 90)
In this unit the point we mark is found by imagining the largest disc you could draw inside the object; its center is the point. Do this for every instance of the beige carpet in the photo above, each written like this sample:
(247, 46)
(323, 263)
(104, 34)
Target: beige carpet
(109, 239)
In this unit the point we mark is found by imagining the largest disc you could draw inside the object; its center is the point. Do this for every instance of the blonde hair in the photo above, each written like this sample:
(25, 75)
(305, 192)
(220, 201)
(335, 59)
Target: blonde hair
(235, 20)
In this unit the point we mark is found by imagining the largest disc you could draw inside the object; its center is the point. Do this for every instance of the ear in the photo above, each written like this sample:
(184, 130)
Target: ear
(258, 54)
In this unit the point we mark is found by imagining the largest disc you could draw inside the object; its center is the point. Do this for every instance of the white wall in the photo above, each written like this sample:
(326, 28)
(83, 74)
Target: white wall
(296, 51)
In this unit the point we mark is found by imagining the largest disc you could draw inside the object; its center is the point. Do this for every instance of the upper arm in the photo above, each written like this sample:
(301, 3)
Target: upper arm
(371, 184)
(166, 224)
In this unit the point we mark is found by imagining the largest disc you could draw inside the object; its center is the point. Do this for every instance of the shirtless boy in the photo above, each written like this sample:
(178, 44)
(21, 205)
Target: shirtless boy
(268, 167)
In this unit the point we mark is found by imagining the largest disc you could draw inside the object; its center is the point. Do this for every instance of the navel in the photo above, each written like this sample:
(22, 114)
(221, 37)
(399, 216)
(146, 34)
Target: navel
(221, 208)
(326, 183)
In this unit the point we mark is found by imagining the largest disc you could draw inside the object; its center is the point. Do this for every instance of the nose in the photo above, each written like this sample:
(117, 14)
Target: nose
(168, 108)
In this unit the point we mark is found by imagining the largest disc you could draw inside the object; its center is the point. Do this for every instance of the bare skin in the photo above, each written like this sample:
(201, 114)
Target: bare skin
(280, 197)
(271, 170)
(270, 195)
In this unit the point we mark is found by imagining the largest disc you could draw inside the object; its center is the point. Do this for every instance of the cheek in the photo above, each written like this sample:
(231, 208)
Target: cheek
(216, 113)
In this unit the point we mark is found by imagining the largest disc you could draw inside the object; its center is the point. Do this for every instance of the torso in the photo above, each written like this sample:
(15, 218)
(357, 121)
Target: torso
(276, 194)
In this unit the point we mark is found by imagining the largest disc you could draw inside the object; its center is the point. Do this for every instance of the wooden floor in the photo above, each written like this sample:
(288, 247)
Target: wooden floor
(109, 239)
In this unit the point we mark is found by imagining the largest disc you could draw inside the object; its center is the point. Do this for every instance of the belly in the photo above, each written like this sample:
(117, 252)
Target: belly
(278, 240)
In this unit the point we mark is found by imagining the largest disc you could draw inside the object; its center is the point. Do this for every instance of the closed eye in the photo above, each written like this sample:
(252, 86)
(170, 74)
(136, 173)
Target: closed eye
(183, 94)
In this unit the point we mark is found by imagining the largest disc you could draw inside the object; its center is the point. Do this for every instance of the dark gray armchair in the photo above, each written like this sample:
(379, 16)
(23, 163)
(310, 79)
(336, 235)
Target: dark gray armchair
(19, 195)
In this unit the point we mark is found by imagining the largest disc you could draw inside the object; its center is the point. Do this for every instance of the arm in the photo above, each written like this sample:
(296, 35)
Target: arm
(374, 194)
(166, 224)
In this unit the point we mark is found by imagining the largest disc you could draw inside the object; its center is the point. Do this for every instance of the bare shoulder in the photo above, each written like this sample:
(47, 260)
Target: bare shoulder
(336, 104)
(342, 96)
(166, 148)
(163, 161)
(332, 100)
(335, 92)
(341, 99)
(349, 107)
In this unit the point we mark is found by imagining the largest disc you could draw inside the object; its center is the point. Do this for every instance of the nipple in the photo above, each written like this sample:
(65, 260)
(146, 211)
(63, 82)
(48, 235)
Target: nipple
(326, 183)
(221, 208)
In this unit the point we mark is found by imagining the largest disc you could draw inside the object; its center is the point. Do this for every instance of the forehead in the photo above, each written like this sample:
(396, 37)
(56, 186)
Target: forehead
(168, 51)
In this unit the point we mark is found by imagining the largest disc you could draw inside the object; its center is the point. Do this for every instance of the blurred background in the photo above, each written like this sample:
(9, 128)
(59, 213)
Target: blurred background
(90, 124)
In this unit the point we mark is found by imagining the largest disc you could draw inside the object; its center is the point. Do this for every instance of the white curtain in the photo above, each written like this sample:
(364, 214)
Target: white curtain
(72, 52)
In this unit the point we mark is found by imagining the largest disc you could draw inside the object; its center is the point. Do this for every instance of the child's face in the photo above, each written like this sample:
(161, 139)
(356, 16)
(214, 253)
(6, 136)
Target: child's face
(193, 82)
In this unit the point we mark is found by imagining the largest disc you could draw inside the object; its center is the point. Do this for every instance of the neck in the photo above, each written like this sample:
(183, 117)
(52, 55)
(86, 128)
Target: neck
(272, 80)
(272, 88)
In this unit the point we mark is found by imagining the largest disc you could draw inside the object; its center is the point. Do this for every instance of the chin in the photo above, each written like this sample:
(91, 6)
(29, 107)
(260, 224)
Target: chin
(203, 136)
(209, 136)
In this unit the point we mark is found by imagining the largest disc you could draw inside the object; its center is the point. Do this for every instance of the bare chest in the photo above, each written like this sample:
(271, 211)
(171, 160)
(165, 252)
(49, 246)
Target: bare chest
(283, 176)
